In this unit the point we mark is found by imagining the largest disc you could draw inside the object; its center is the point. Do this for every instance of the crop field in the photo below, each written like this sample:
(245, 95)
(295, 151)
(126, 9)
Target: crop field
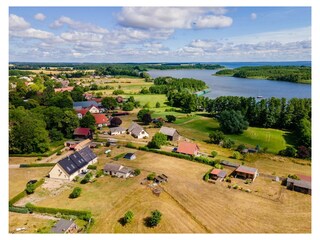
(188, 203)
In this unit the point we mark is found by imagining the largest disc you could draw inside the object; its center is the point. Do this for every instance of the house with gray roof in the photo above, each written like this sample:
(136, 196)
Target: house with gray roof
(74, 164)
(246, 172)
(137, 131)
(171, 133)
(64, 226)
(85, 104)
(301, 185)
(117, 130)
(117, 170)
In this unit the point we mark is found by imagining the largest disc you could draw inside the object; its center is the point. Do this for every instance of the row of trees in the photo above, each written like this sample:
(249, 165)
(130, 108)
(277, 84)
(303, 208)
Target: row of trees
(279, 73)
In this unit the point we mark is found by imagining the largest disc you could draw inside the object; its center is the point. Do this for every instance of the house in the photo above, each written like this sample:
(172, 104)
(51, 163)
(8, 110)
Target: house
(85, 104)
(117, 130)
(130, 156)
(171, 133)
(303, 185)
(218, 174)
(117, 170)
(93, 109)
(73, 165)
(81, 112)
(64, 226)
(101, 120)
(246, 172)
(88, 96)
(229, 164)
(83, 133)
(137, 131)
(188, 148)
(80, 145)
(112, 141)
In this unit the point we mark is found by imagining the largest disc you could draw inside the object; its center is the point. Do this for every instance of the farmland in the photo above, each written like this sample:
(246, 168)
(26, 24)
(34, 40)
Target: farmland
(188, 203)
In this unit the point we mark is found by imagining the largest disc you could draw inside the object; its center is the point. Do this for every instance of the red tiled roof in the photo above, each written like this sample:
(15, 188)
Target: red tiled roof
(100, 118)
(188, 148)
(215, 171)
(82, 131)
(304, 177)
(69, 89)
(83, 111)
(245, 169)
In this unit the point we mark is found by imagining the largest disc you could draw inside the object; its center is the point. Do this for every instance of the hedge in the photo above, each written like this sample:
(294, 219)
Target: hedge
(92, 167)
(24, 193)
(47, 154)
(85, 215)
(25, 165)
(18, 209)
(17, 198)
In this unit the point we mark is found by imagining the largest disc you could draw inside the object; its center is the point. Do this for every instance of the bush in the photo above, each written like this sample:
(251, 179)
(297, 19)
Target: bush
(39, 158)
(129, 106)
(235, 186)
(171, 118)
(92, 167)
(117, 92)
(288, 152)
(293, 176)
(228, 179)
(155, 218)
(247, 181)
(214, 154)
(59, 152)
(75, 193)
(158, 105)
(30, 188)
(236, 155)
(151, 176)
(130, 145)
(216, 137)
(17, 198)
(228, 143)
(86, 178)
(76, 178)
(137, 172)
(128, 217)
(241, 147)
(206, 177)
(157, 141)
(99, 173)
(24, 165)
(19, 209)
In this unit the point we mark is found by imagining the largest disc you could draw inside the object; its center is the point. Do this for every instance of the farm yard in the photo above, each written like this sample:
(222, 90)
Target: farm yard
(188, 204)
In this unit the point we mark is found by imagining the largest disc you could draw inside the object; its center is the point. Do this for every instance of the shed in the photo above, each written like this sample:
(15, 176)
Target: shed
(246, 172)
(303, 186)
(64, 226)
(218, 174)
(171, 133)
(130, 156)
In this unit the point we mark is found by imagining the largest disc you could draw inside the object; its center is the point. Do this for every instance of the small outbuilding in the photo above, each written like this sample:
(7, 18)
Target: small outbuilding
(171, 133)
(64, 226)
(117, 130)
(161, 178)
(117, 170)
(246, 172)
(130, 156)
(82, 133)
(303, 185)
(218, 174)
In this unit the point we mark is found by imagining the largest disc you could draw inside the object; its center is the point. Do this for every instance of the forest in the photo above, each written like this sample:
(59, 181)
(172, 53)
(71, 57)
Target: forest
(297, 74)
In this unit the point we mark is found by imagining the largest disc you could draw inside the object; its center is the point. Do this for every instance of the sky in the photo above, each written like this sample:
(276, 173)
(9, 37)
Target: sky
(159, 34)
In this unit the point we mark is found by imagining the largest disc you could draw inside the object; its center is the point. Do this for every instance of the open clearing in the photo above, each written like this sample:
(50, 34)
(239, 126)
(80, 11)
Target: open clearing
(188, 204)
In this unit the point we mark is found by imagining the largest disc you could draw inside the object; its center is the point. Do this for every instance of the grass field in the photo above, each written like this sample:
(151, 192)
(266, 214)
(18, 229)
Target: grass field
(188, 203)
(197, 127)
(151, 99)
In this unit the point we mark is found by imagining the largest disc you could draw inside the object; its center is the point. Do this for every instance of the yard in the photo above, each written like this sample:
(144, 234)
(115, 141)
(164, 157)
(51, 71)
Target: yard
(188, 203)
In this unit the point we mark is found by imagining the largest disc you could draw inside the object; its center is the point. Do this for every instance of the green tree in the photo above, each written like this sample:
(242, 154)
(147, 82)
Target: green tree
(304, 132)
(75, 193)
(137, 172)
(214, 154)
(288, 152)
(228, 143)
(158, 105)
(216, 137)
(115, 122)
(128, 106)
(27, 132)
(141, 113)
(30, 188)
(171, 118)
(236, 155)
(109, 103)
(128, 217)
(232, 122)
(147, 119)
(88, 121)
(157, 141)
(155, 218)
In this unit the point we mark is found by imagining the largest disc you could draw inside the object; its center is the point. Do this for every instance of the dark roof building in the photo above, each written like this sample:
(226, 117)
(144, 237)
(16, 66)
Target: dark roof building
(82, 133)
(218, 173)
(303, 185)
(171, 133)
(85, 104)
(64, 226)
(130, 156)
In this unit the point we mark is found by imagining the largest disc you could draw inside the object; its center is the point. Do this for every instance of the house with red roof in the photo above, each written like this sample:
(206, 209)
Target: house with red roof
(101, 120)
(81, 112)
(82, 133)
(246, 172)
(218, 174)
(188, 148)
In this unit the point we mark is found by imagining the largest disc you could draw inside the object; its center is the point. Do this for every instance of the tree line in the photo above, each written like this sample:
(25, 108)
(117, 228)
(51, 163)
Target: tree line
(278, 73)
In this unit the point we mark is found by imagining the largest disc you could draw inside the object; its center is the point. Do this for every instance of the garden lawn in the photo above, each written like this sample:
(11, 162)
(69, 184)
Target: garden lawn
(198, 128)
(152, 99)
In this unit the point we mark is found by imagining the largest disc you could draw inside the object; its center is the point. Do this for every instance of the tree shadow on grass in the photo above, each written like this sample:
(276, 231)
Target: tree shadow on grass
(291, 138)
(146, 222)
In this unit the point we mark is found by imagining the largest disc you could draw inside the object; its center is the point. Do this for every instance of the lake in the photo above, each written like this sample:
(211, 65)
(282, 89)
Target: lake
(231, 86)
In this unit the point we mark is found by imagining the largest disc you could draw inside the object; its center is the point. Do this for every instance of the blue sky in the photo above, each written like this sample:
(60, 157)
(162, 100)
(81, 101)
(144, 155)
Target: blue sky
(159, 34)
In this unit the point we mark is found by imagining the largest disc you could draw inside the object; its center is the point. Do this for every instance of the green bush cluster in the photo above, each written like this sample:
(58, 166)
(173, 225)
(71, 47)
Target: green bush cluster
(18, 209)
(92, 167)
(75, 193)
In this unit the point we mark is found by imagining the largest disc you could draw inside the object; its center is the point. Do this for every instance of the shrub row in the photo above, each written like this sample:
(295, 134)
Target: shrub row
(92, 167)
(47, 154)
(25, 165)
(17, 198)
(85, 215)
(18, 209)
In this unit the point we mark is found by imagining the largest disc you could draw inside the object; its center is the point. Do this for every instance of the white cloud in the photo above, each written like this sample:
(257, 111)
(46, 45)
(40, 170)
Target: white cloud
(81, 36)
(17, 23)
(86, 27)
(253, 16)
(173, 17)
(212, 21)
(40, 16)
(31, 33)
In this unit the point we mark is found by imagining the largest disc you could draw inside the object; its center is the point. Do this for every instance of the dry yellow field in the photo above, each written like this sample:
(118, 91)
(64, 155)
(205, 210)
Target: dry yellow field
(188, 203)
